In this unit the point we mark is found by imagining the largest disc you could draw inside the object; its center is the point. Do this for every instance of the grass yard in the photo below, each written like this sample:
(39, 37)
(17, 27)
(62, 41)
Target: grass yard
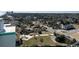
(38, 41)
(47, 33)
(76, 26)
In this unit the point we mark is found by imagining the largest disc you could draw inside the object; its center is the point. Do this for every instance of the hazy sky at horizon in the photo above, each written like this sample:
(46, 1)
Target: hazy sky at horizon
(39, 5)
(3, 12)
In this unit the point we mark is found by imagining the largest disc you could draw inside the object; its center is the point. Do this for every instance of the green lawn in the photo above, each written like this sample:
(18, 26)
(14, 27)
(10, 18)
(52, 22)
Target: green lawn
(76, 26)
(38, 41)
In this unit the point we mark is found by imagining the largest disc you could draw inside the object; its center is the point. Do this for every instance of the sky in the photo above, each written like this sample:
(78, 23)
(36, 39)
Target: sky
(39, 5)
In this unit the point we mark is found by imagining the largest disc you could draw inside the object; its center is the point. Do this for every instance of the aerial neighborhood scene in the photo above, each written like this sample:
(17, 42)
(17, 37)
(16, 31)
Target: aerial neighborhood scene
(39, 29)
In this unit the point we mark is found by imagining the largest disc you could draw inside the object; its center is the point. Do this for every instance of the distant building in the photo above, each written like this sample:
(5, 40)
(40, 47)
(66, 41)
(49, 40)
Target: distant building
(7, 35)
(68, 27)
(11, 19)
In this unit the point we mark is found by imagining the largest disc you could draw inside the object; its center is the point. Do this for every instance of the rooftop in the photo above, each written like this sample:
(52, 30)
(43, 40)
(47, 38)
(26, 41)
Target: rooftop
(8, 30)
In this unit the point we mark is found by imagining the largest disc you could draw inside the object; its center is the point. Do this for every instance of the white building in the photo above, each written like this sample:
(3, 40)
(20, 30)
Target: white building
(7, 35)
